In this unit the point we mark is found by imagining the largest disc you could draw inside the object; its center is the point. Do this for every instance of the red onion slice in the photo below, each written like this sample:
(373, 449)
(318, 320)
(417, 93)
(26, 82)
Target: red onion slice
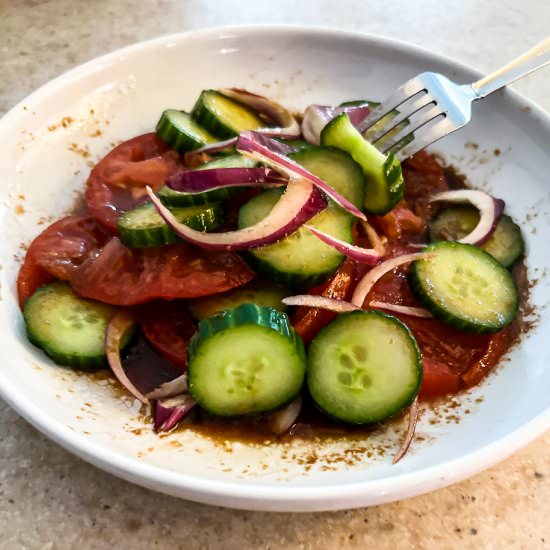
(174, 387)
(215, 146)
(378, 243)
(287, 126)
(405, 310)
(320, 302)
(262, 148)
(490, 210)
(367, 282)
(168, 412)
(299, 203)
(367, 256)
(197, 181)
(117, 330)
(316, 117)
(282, 420)
(409, 436)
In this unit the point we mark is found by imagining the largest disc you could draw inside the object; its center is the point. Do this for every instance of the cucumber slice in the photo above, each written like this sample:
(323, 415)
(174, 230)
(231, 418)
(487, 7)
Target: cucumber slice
(261, 293)
(300, 259)
(143, 226)
(297, 144)
(359, 102)
(245, 360)
(70, 329)
(181, 132)
(364, 367)
(384, 180)
(335, 167)
(384, 120)
(224, 117)
(505, 244)
(179, 198)
(465, 287)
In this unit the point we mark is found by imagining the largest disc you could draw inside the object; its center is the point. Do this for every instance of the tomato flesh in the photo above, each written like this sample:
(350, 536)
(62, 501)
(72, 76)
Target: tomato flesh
(58, 251)
(168, 327)
(117, 182)
(438, 379)
(309, 321)
(123, 276)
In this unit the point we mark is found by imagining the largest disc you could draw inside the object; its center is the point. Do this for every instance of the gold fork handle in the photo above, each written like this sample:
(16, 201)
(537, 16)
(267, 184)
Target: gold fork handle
(530, 61)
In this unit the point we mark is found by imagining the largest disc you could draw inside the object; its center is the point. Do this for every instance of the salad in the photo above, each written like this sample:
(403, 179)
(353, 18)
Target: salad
(246, 264)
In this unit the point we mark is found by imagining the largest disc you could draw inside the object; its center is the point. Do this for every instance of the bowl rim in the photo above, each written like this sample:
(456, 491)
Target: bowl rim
(248, 495)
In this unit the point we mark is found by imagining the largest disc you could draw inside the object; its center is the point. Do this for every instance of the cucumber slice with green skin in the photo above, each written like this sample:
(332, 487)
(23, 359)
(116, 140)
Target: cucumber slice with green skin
(364, 367)
(70, 329)
(245, 360)
(391, 115)
(300, 259)
(335, 167)
(297, 144)
(384, 179)
(181, 132)
(169, 197)
(359, 102)
(224, 117)
(261, 293)
(506, 244)
(143, 226)
(465, 287)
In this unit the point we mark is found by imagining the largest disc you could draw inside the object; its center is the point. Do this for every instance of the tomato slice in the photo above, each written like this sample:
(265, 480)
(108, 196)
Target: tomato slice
(122, 276)
(309, 321)
(498, 345)
(399, 223)
(440, 344)
(424, 176)
(438, 379)
(117, 182)
(30, 278)
(168, 327)
(58, 251)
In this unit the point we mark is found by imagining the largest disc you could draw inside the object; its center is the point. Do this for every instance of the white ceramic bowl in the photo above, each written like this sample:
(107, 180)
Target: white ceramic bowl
(44, 164)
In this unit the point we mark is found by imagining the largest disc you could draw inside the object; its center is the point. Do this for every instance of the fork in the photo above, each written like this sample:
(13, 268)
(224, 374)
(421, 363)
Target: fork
(430, 106)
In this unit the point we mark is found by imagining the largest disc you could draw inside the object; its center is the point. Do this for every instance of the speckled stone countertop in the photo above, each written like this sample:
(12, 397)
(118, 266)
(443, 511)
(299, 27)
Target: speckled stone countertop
(50, 499)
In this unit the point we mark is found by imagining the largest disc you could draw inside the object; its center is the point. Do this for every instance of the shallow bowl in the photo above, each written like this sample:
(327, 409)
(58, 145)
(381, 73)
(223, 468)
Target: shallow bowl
(51, 138)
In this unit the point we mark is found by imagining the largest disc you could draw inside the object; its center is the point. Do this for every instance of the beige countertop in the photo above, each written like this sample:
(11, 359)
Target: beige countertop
(50, 499)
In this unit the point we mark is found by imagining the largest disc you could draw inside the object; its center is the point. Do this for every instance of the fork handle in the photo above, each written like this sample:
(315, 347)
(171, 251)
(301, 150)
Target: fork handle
(530, 61)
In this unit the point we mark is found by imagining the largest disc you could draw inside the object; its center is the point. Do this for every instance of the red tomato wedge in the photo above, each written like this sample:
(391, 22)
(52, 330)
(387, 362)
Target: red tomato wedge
(117, 182)
(440, 343)
(498, 345)
(58, 251)
(31, 277)
(399, 223)
(123, 276)
(309, 321)
(438, 379)
(168, 327)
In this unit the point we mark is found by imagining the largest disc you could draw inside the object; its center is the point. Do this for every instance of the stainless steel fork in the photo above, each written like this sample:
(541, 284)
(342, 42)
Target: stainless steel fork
(430, 106)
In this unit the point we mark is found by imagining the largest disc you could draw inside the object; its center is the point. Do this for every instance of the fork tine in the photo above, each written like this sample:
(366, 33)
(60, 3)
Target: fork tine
(404, 92)
(419, 119)
(426, 135)
(406, 110)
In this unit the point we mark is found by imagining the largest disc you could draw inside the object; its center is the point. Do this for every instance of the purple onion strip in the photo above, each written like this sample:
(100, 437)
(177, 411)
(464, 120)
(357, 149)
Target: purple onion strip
(198, 181)
(320, 302)
(298, 204)
(490, 210)
(262, 148)
(169, 411)
(368, 256)
(316, 117)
